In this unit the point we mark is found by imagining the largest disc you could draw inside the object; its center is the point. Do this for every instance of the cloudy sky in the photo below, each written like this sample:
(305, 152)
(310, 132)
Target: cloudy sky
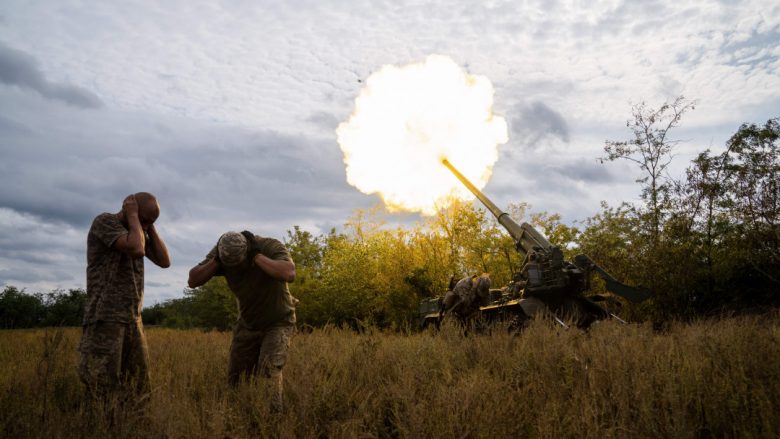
(227, 110)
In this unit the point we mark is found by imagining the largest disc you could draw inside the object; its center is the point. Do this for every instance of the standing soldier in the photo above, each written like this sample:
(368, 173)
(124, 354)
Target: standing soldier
(113, 347)
(257, 271)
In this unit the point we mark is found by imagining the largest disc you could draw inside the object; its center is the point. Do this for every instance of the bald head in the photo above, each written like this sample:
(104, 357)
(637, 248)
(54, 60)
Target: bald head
(148, 208)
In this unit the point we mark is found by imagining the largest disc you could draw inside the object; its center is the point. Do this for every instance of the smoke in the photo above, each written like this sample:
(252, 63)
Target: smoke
(406, 120)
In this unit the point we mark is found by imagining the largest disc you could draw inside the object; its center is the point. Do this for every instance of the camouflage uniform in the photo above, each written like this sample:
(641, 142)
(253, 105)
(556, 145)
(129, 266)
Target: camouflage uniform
(261, 350)
(266, 318)
(113, 347)
(467, 296)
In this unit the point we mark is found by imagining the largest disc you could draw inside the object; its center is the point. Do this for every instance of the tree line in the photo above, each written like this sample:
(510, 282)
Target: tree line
(19, 309)
(702, 243)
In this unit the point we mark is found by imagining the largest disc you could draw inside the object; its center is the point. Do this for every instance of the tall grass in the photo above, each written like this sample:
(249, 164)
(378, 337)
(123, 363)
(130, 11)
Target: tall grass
(708, 379)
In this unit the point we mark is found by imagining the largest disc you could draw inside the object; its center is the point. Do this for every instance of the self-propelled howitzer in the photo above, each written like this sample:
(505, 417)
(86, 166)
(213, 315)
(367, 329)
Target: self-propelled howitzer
(545, 282)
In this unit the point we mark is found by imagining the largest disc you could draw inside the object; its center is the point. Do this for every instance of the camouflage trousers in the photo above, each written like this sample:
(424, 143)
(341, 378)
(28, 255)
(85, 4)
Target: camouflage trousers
(263, 351)
(114, 355)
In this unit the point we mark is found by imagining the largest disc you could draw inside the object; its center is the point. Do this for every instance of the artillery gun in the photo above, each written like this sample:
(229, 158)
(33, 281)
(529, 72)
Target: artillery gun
(545, 282)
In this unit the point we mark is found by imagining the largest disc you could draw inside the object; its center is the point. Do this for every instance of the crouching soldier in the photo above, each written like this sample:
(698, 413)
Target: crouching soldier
(466, 297)
(257, 271)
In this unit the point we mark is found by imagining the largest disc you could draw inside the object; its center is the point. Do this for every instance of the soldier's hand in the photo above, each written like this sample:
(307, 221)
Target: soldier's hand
(216, 254)
(130, 206)
(253, 248)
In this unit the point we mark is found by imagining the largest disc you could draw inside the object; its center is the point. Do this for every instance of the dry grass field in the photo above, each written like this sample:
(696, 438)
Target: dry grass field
(708, 379)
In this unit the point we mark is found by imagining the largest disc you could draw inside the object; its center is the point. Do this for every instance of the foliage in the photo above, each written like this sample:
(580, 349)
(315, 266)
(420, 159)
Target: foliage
(56, 308)
(20, 310)
(374, 275)
(210, 306)
(64, 308)
(752, 175)
(709, 242)
(651, 150)
(558, 233)
(733, 210)
(715, 378)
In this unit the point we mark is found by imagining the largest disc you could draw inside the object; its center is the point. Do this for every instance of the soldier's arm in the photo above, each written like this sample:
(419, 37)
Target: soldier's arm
(156, 250)
(279, 269)
(208, 268)
(201, 273)
(133, 243)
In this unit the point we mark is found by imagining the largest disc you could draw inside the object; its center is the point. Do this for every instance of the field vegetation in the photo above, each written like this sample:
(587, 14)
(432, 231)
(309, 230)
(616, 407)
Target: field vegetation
(714, 378)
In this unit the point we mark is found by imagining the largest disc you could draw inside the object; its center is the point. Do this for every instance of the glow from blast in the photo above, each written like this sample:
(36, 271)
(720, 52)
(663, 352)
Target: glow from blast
(406, 120)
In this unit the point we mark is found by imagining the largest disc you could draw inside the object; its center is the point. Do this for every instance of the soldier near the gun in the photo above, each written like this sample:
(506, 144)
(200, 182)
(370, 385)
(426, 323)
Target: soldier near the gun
(567, 302)
(257, 271)
(466, 297)
(113, 347)
(531, 275)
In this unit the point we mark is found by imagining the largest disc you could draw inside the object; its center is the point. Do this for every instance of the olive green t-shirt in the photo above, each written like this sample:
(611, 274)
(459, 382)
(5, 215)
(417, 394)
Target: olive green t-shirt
(262, 300)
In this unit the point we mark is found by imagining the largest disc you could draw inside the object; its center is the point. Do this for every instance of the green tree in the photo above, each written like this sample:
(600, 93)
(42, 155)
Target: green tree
(213, 305)
(154, 315)
(731, 201)
(706, 242)
(363, 276)
(307, 251)
(651, 149)
(179, 313)
(431, 252)
(64, 308)
(458, 224)
(752, 164)
(210, 306)
(20, 310)
(557, 232)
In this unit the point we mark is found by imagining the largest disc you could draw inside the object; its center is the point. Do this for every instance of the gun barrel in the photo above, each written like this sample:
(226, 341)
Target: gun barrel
(485, 200)
(525, 236)
(528, 239)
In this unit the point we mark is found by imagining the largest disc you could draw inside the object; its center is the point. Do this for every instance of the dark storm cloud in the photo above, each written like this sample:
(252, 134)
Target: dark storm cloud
(76, 164)
(48, 179)
(34, 252)
(17, 246)
(554, 169)
(21, 69)
(554, 180)
(582, 171)
(27, 198)
(260, 175)
(8, 277)
(11, 127)
(536, 121)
